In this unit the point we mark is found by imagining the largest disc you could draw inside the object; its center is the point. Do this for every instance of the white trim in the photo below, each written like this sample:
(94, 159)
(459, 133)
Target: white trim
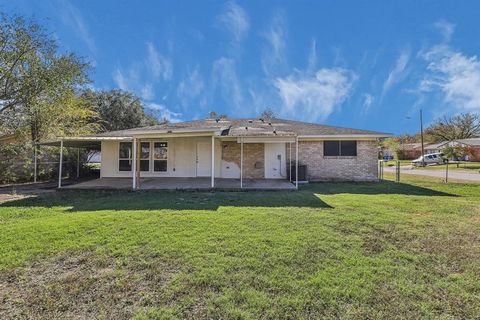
(213, 163)
(260, 139)
(241, 163)
(296, 164)
(344, 137)
(134, 164)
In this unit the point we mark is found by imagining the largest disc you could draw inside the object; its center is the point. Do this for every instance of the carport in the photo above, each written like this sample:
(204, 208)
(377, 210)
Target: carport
(90, 143)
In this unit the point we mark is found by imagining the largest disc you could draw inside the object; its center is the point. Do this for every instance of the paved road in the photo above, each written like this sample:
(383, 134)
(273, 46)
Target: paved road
(452, 174)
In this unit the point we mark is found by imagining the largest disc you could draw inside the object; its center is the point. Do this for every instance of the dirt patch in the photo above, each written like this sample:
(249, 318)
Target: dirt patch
(84, 286)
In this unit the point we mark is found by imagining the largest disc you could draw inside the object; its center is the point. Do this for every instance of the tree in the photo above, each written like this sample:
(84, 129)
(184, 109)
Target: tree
(119, 110)
(38, 86)
(267, 114)
(463, 126)
(215, 115)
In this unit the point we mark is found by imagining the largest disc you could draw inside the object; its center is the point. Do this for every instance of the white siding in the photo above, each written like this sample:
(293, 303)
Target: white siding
(181, 158)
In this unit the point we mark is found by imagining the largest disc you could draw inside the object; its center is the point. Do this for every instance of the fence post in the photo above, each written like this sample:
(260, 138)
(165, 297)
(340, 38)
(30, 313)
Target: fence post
(446, 172)
(397, 171)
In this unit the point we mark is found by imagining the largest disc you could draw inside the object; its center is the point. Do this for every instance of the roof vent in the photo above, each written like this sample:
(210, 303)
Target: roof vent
(261, 119)
(246, 128)
(250, 121)
(269, 123)
(217, 120)
(275, 132)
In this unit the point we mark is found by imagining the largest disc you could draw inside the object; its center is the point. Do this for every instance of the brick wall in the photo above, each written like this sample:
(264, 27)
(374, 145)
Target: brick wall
(253, 157)
(363, 167)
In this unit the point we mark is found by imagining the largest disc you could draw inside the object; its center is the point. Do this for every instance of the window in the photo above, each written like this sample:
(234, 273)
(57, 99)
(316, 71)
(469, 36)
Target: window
(125, 156)
(340, 148)
(160, 156)
(145, 156)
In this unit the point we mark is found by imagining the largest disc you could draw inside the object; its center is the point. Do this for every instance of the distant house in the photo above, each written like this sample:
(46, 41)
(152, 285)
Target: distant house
(410, 151)
(472, 145)
(228, 150)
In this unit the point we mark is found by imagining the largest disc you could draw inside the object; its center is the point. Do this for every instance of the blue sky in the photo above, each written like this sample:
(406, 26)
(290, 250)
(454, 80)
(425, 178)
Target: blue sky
(363, 64)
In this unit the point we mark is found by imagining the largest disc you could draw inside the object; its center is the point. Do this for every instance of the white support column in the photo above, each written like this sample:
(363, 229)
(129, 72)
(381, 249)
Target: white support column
(35, 163)
(78, 163)
(241, 163)
(213, 163)
(60, 165)
(290, 158)
(296, 162)
(134, 164)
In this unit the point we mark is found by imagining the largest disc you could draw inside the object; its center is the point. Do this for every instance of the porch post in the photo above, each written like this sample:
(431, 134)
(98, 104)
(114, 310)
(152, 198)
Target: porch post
(241, 163)
(35, 163)
(213, 163)
(296, 162)
(60, 165)
(290, 158)
(134, 164)
(78, 163)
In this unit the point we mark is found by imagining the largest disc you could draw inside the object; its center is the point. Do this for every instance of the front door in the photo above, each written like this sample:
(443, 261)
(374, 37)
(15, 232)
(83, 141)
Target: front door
(204, 159)
(275, 164)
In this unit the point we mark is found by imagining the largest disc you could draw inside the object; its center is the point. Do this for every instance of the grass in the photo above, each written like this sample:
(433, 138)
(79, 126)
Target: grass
(330, 250)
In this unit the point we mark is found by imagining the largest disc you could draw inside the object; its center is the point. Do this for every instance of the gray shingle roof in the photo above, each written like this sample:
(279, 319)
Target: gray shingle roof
(250, 127)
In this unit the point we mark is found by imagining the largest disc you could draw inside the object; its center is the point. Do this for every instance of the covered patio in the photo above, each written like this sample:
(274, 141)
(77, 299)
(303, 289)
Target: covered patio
(177, 183)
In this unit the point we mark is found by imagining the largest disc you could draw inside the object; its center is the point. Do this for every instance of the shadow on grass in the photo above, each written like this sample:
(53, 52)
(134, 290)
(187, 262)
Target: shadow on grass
(93, 200)
(308, 196)
(375, 188)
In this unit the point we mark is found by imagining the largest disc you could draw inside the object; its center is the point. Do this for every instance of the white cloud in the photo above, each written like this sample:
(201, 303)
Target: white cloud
(274, 54)
(146, 92)
(125, 80)
(312, 57)
(158, 65)
(225, 77)
(456, 75)
(368, 100)
(316, 96)
(161, 111)
(446, 29)
(236, 20)
(190, 87)
(72, 17)
(398, 72)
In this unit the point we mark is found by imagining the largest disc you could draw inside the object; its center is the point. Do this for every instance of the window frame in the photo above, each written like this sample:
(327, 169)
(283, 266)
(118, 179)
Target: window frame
(339, 147)
(130, 159)
(163, 160)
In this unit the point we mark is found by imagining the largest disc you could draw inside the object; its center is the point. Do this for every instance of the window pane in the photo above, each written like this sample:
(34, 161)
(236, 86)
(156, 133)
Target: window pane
(160, 151)
(145, 150)
(125, 165)
(348, 148)
(125, 150)
(144, 165)
(331, 148)
(160, 165)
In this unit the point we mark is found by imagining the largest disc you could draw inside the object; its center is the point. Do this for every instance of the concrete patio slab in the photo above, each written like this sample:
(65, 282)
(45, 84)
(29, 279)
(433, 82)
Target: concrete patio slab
(169, 183)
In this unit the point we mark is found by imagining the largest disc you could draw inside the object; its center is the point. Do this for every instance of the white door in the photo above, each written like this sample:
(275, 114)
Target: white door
(275, 163)
(204, 159)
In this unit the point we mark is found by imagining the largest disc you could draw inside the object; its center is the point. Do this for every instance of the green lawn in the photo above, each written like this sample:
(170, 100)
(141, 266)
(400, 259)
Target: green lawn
(331, 250)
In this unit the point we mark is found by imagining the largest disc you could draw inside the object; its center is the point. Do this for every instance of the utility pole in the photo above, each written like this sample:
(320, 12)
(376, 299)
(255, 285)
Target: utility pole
(421, 135)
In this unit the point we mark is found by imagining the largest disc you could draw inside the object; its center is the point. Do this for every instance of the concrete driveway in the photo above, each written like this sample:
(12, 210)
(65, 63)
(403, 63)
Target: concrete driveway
(452, 174)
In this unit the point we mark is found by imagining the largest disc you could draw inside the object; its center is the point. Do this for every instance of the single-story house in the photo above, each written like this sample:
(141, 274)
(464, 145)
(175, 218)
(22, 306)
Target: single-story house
(239, 153)
(472, 146)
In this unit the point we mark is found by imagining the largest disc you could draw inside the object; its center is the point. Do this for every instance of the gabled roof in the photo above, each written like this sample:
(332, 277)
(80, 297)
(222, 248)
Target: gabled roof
(249, 127)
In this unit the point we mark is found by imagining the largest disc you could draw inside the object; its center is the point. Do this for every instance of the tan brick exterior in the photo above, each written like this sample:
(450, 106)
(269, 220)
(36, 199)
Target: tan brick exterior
(253, 158)
(363, 167)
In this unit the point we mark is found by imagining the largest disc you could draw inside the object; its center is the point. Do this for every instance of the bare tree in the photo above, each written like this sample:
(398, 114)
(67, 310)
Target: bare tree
(463, 126)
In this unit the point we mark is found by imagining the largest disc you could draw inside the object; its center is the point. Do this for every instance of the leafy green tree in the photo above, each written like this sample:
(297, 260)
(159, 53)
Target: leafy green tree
(119, 110)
